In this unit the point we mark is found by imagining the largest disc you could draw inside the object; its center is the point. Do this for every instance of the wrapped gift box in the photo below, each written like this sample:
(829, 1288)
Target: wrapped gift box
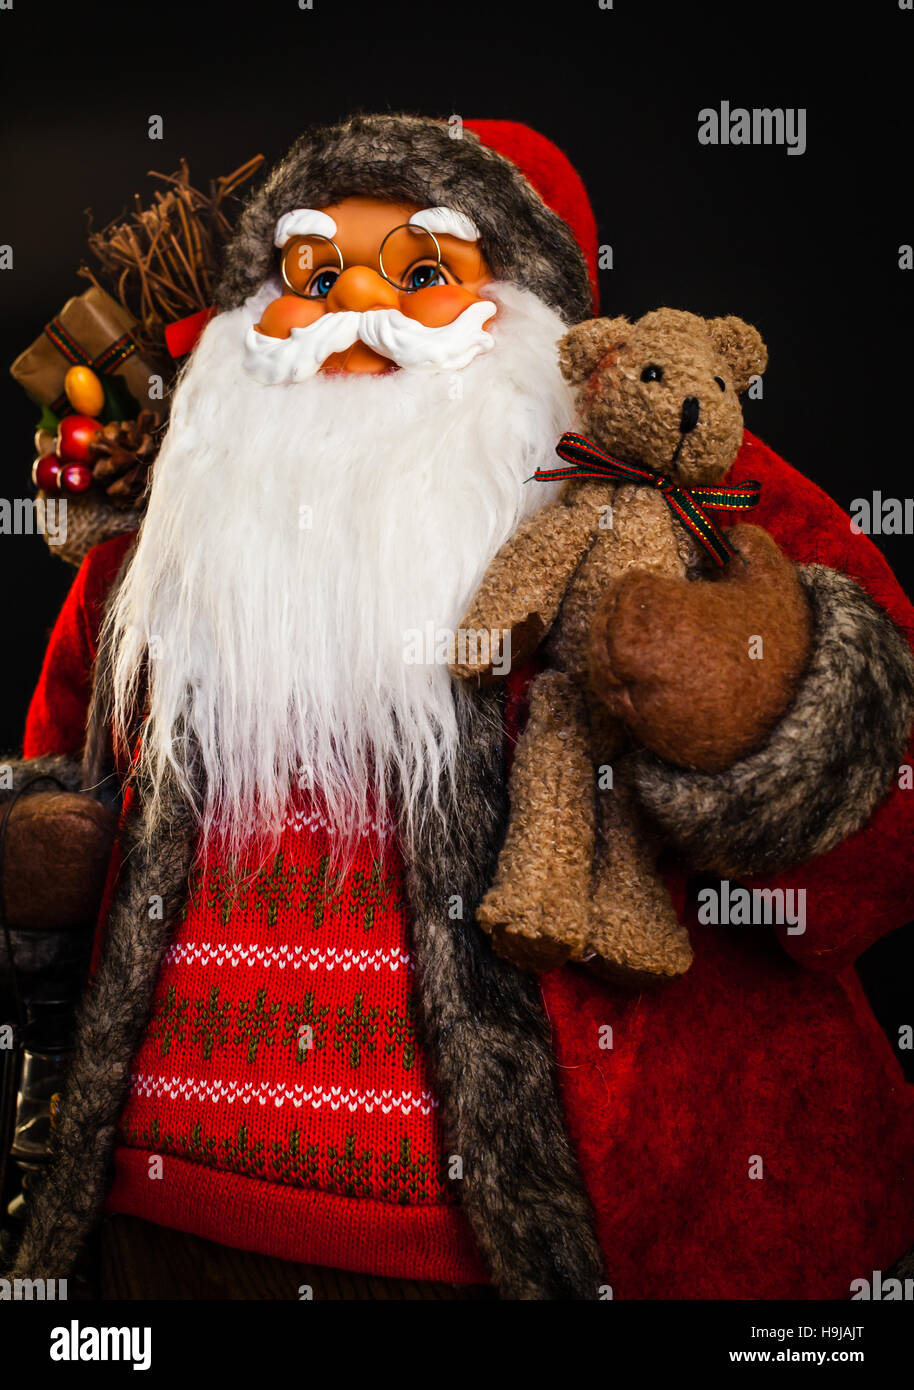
(92, 329)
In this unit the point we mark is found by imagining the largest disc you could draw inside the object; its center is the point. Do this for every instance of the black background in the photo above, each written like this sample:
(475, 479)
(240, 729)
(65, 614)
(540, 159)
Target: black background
(805, 247)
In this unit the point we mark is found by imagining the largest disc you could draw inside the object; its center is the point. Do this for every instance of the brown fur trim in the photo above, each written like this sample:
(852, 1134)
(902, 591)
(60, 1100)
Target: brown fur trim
(491, 1048)
(113, 1013)
(414, 159)
(826, 766)
(66, 771)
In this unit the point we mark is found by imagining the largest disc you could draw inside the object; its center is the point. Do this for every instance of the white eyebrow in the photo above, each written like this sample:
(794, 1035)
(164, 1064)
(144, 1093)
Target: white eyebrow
(446, 222)
(303, 222)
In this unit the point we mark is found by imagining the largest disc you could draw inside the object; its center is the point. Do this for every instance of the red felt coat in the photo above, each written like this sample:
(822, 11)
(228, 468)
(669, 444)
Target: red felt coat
(750, 1133)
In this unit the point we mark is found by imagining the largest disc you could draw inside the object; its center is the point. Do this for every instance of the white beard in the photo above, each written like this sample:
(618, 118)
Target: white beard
(295, 535)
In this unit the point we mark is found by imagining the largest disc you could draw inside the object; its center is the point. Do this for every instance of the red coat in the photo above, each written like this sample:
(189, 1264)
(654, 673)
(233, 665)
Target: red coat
(766, 1049)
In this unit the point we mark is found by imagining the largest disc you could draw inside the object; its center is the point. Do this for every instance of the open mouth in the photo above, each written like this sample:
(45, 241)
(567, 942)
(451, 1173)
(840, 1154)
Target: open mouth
(359, 359)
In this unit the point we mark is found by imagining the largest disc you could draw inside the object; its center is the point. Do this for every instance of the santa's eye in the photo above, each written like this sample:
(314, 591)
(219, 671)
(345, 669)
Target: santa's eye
(721, 383)
(652, 373)
(322, 283)
(421, 277)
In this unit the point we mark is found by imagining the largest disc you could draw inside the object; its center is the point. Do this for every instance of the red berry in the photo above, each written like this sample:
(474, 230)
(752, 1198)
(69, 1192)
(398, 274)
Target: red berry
(74, 478)
(45, 471)
(75, 438)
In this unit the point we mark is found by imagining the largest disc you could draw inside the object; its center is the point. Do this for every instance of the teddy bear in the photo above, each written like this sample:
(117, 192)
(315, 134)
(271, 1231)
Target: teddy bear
(577, 877)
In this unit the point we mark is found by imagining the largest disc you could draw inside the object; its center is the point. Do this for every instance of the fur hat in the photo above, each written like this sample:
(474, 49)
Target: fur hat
(535, 222)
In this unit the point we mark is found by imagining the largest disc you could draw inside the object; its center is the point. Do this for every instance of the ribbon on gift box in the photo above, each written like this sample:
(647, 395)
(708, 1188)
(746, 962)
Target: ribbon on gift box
(91, 330)
(107, 361)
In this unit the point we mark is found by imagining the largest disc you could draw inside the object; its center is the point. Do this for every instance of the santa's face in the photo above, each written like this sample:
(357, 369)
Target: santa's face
(375, 276)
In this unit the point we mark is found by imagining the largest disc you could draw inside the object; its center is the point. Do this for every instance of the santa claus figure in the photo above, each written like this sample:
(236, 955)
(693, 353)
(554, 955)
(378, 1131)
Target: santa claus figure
(295, 1040)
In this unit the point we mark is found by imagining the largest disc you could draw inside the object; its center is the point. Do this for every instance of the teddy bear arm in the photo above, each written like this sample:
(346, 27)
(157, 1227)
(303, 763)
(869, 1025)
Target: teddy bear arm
(522, 592)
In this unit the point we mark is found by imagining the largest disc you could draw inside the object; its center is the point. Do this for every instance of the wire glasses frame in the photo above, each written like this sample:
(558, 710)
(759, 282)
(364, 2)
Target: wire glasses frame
(316, 236)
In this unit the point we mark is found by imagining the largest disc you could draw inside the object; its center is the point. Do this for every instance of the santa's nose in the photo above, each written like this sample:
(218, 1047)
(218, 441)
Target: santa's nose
(361, 288)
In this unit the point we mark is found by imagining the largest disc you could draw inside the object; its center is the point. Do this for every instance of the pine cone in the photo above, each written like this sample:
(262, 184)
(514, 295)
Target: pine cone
(124, 454)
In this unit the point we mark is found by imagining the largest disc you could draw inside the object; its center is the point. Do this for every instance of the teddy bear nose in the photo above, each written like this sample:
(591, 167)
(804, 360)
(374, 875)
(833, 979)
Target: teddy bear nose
(689, 414)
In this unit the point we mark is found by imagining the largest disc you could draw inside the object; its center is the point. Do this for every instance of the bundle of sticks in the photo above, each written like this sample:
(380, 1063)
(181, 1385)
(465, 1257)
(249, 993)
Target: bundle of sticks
(161, 261)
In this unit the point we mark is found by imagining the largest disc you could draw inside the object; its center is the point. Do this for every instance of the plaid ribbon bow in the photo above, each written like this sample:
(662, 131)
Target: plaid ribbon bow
(690, 505)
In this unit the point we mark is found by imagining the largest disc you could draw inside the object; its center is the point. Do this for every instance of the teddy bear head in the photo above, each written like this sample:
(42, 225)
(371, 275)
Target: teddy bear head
(663, 391)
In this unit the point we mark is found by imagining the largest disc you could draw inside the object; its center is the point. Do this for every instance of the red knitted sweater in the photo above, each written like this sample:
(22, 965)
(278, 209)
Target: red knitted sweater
(282, 1053)
(280, 1099)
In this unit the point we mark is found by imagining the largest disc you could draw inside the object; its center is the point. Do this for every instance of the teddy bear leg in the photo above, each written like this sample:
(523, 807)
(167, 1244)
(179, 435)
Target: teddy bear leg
(536, 910)
(635, 934)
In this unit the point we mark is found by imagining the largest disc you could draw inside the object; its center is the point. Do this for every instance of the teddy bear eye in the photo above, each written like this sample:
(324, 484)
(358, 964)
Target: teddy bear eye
(721, 383)
(652, 373)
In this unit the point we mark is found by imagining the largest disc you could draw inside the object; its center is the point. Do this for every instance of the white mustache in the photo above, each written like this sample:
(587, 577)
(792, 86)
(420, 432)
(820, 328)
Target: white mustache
(276, 361)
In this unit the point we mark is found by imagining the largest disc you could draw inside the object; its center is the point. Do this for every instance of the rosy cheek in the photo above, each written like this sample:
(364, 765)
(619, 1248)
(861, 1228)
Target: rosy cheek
(438, 305)
(288, 312)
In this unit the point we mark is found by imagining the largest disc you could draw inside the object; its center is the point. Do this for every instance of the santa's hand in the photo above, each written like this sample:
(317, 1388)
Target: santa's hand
(701, 671)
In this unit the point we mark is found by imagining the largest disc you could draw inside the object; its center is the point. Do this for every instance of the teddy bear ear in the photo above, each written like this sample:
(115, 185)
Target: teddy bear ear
(742, 348)
(582, 346)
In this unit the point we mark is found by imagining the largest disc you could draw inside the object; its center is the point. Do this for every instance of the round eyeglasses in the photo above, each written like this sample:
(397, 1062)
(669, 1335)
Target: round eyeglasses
(409, 259)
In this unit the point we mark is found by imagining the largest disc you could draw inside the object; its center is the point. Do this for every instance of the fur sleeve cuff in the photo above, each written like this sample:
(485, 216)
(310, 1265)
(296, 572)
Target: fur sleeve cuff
(826, 766)
(17, 772)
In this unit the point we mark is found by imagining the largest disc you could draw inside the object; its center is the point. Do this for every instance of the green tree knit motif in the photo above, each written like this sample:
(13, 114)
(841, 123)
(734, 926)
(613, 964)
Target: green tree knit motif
(349, 1174)
(400, 1177)
(401, 1032)
(321, 893)
(212, 1024)
(225, 890)
(169, 1019)
(154, 1139)
(273, 889)
(257, 1024)
(192, 1146)
(355, 1030)
(196, 1147)
(402, 1180)
(239, 1156)
(370, 892)
(295, 1164)
(308, 1016)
